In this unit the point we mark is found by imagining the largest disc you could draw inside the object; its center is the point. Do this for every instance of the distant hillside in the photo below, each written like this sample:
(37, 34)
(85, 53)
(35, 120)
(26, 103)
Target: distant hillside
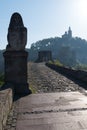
(69, 50)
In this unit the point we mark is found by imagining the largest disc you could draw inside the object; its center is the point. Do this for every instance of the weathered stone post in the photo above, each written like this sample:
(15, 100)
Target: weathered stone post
(15, 56)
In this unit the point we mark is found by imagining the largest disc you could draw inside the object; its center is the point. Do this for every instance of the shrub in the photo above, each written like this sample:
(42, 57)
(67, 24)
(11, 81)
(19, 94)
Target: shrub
(56, 62)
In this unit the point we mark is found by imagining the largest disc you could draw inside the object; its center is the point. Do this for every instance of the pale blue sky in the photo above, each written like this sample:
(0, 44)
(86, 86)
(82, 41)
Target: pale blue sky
(45, 18)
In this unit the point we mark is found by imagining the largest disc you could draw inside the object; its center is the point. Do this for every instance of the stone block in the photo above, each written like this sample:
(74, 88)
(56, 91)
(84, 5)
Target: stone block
(44, 56)
(6, 99)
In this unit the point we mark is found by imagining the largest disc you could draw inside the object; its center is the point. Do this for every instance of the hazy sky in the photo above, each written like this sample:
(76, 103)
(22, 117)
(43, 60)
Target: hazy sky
(45, 18)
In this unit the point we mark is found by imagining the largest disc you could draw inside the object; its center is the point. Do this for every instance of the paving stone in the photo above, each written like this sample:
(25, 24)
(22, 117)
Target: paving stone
(52, 111)
(57, 105)
(47, 80)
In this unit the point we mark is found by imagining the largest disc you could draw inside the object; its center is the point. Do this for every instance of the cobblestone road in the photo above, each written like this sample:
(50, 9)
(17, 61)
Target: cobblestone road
(43, 80)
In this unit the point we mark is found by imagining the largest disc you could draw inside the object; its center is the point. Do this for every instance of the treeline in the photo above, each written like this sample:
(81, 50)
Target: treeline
(68, 51)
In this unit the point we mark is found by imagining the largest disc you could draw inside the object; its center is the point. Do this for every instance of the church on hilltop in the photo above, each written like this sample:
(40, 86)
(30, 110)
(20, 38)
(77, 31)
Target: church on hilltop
(67, 34)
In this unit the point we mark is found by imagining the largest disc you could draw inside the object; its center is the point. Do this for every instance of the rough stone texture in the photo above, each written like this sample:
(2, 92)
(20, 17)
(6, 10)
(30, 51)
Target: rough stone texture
(44, 79)
(17, 33)
(76, 74)
(52, 111)
(61, 110)
(16, 70)
(44, 56)
(6, 99)
(12, 118)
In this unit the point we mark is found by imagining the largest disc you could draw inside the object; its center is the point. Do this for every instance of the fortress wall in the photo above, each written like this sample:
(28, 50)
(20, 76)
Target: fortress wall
(70, 73)
(6, 100)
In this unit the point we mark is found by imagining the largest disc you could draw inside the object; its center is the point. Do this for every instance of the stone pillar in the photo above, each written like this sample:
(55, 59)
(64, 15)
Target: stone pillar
(16, 57)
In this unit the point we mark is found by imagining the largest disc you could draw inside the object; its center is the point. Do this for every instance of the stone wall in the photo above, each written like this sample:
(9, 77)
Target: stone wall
(70, 73)
(6, 99)
(44, 56)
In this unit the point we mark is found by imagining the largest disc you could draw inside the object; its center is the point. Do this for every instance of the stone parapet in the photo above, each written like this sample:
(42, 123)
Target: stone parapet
(70, 73)
(6, 100)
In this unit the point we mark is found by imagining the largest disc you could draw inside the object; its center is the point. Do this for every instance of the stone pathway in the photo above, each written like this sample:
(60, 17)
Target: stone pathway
(44, 79)
(50, 111)
(56, 106)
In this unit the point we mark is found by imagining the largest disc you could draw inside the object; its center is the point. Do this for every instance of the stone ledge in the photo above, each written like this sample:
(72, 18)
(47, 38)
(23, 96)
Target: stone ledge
(6, 99)
(76, 74)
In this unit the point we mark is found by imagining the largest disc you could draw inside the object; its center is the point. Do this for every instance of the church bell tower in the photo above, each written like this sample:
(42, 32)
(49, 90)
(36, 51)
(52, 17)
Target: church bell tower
(70, 33)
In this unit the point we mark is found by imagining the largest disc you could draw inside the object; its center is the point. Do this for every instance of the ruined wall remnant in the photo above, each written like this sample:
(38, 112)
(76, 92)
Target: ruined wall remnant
(15, 55)
(44, 56)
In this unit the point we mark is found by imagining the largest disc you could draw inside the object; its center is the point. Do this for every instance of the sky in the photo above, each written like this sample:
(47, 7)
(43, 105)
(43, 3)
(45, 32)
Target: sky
(44, 18)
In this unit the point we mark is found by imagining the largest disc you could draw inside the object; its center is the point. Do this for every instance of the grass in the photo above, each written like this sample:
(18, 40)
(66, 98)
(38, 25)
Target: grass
(56, 62)
(30, 86)
(76, 67)
(81, 67)
(32, 89)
